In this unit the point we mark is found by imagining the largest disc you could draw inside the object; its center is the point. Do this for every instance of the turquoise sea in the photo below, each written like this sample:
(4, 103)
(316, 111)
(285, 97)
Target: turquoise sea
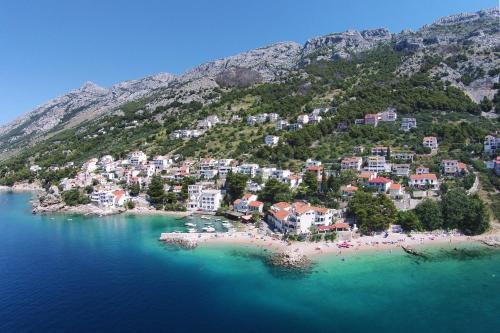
(112, 275)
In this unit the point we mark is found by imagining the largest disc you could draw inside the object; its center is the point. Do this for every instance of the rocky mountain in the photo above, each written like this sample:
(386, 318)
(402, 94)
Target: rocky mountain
(86, 102)
(462, 49)
(343, 44)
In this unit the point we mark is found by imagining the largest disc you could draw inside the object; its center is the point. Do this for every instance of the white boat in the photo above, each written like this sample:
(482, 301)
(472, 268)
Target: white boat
(227, 225)
(191, 230)
(209, 223)
(208, 229)
(190, 224)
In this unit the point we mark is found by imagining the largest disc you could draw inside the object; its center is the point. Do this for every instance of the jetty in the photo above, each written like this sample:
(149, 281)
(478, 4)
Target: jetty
(179, 239)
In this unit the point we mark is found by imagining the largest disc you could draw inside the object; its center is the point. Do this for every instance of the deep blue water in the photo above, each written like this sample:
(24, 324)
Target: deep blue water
(112, 275)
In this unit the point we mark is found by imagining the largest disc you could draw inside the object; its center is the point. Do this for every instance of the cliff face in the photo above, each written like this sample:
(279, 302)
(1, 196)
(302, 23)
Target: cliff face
(466, 47)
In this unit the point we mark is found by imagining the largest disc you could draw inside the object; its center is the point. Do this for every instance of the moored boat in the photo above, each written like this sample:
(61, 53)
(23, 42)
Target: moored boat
(208, 229)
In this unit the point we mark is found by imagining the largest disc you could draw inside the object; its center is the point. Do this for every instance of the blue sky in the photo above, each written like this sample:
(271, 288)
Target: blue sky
(50, 47)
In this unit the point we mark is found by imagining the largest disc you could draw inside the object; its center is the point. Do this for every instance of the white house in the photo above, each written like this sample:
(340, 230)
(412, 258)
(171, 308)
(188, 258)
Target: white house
(109, 198)
(248, 169)
(203, 199)
(299, 217)
(377, 164)
(381, 184)
(389, 115)
(311, 162)
(281, 125)
(292, 181)
(210, 200)
(251, 120)
(351, 163)
(424, 180)
(402, 155)
(303, 119)
(396, 191)
(380, 150)
(241, 205)
(106, 160)
(273, 117)
(371, 119)
(491, 144)
(402, 170)
(430, 142)
(271, 140)
(161, 162)
(408, 123)
(137, 158)
(453, 167)
(294, 127)
(262, 118)
(315, 119)
(421, 170)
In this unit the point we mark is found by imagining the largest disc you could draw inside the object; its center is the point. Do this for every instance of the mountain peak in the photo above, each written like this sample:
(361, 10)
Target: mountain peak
(91, 87)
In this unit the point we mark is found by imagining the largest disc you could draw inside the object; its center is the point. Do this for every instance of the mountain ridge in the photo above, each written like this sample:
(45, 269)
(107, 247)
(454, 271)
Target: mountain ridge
(263, 64)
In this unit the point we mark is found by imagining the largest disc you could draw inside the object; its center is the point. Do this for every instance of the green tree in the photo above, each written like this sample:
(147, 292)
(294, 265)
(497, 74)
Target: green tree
(311, 182)
(130, 204)
(409, 221)
(429, 214)
(134, 189)
(454, 206)
(74, 197)
(156, 191)
(477, 218)
(463, 212)
(373, 213)
(235, 185)
(275, 191)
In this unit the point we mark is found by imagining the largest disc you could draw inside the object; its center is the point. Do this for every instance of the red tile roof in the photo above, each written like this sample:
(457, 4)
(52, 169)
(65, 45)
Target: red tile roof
(424, 176)
(315, 168)
(280, 214)
(321, 210)
(333, 226)
(281, 205)
(380, 180)
(395, 187)
(256, 204)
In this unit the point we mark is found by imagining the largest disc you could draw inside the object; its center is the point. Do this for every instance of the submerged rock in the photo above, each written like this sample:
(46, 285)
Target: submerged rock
(290, 259)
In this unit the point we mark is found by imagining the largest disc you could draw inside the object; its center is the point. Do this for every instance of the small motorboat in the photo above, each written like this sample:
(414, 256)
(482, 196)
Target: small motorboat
(190, 225)
(226, 225)
(208, 223)
(208, 229)
(191, 230)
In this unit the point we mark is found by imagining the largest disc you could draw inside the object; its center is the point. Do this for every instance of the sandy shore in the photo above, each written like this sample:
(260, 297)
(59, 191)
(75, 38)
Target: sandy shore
(393, 242)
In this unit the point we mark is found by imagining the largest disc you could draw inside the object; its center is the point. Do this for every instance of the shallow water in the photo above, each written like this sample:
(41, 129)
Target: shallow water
(111, 274)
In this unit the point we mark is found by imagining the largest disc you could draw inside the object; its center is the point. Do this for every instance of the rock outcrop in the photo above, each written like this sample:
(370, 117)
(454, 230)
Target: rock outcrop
(290, 260)
(344, 44)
